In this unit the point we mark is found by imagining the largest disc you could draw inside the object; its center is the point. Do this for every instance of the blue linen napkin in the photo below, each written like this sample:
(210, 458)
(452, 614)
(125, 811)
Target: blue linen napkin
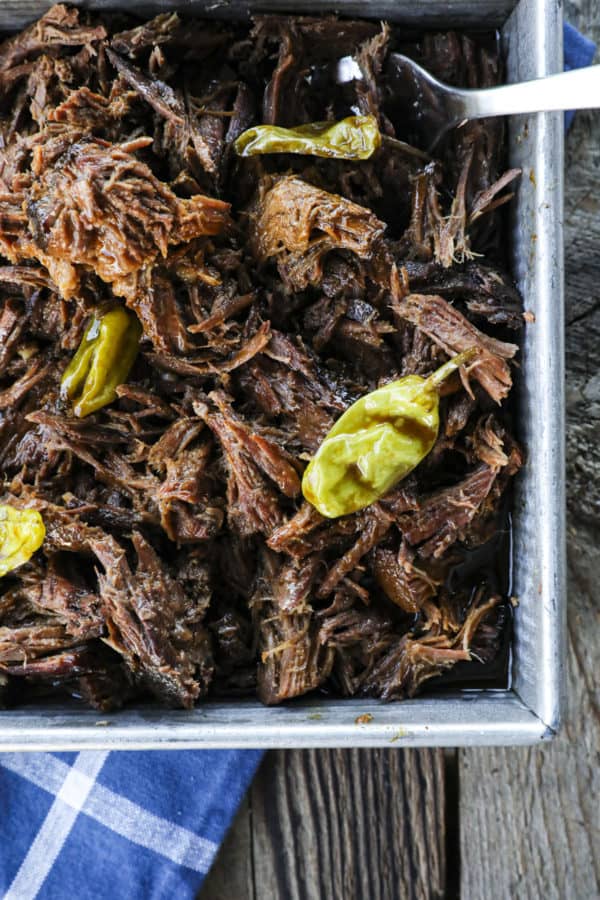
(578, 52)
(130, 825)
(116, 826)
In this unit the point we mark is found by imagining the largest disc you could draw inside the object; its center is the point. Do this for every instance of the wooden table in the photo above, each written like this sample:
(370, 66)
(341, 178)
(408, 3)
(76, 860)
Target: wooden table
(476, 824)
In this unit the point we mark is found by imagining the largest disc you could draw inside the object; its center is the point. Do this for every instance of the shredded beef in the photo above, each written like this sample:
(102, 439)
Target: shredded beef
(297, 224)
(180, 558)
(451, 331)
(156, 627)
(100, 208)
(292, 660)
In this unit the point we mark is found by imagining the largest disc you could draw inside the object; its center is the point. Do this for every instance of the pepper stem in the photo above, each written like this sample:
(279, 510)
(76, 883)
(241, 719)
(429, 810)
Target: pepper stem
(440, 375)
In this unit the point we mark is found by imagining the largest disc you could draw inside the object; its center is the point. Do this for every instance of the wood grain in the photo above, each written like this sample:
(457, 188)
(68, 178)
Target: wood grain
(349, 824)
(533, 815)
(530, 819)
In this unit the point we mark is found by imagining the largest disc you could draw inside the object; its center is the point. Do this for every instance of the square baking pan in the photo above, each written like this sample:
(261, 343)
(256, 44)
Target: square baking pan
(529, 711)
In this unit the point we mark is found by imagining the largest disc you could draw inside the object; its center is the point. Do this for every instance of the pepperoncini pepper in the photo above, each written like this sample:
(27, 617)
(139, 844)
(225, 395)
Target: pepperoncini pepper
(377, 442)
(22, 532)
(103, 361)
(356, 137)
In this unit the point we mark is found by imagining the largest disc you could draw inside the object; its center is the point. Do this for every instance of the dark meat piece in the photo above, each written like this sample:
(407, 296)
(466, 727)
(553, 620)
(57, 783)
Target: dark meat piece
(13, 226)
(443, 236)
(59, 27)
(233, 638)
(184, 502)
(460, 407)
(149, 618)
(155, 304)
(203, 366)
(100, 207)
(376, 523)
(37, 638)
(451, 331)
(87, 112)
(224, 307)
(362, 345)
(235, 665)
(286, 388)
(293, 532)
(243, 113)
(198, 138)
(159, 30)
(358, 637)
(267, 455)
(74, 605)
(293, 586)
(12, 323)
(156, 626)
(106, 688)
(168, 29)
(403, 583)
(237, 564)
(37, 371)
(292, 661)
(284, 82)
(442, 518)
(490, 515)
(323, 37)
(173, 441)
(414, 659)
(90, 672)
(407, 665)
(297, 224)
(110, 467)
(488, 293)
(252, 503)
(302, 44)
(487, 442)
(159, 95)
(189, 510)
(322, 318)
(57, 666)
(371, 59)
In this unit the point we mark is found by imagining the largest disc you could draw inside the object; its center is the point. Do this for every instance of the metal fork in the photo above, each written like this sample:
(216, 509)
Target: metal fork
(431, 107)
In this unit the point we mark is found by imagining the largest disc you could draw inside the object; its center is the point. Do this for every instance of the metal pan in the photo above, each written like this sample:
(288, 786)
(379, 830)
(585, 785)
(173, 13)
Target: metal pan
(530, 711)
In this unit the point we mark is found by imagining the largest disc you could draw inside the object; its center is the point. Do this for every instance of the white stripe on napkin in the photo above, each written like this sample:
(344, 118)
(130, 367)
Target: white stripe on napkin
(55, 829)
(117, 813)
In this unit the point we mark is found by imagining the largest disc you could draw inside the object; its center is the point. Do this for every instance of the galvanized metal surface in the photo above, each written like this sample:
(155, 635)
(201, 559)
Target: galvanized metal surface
(465, 720)
(484, 14)
(533, 38)
(530, 712)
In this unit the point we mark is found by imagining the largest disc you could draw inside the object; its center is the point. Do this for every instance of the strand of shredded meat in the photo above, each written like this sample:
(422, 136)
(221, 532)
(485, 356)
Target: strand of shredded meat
(180, 558)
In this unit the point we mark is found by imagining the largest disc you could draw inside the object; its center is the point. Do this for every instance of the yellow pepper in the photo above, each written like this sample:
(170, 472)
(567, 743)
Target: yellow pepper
(22, 532)
(377, 442)
(103, 361)
(356, 137)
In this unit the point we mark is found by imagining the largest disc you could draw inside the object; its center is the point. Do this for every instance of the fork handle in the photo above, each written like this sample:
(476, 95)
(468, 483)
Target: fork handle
(579, 89)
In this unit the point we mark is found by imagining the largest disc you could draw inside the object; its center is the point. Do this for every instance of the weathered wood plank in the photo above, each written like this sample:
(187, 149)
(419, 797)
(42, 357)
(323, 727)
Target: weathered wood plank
(349, 824)
(533, 815)
(231, 875)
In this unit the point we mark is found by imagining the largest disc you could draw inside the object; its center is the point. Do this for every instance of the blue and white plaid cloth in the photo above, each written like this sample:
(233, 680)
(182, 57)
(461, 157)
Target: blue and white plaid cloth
(121, 826)
(129, 826)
